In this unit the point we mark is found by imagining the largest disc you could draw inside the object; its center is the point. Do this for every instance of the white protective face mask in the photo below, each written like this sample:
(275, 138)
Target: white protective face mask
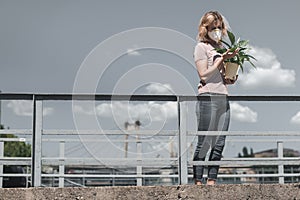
(215, 35)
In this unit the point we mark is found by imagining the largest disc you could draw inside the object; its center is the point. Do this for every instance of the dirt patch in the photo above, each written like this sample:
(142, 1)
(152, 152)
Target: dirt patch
(185, 192)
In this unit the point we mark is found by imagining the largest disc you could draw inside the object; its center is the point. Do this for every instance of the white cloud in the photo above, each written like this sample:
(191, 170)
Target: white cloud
(143, 111)
(269, 73)
(123, 111)
(295, 119)
(47, 111)
(83, 110)
(24, 108)
(242, 113)
(133, 52)
(158, 88)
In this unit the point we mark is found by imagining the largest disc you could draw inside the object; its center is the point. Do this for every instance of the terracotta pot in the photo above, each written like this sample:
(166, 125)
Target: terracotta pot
(231, 70)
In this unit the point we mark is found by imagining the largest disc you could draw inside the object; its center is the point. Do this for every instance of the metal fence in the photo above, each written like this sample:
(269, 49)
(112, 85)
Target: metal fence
(180, 164)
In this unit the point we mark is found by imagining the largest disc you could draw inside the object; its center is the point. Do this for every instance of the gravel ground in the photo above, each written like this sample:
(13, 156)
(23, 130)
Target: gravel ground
(224, 192)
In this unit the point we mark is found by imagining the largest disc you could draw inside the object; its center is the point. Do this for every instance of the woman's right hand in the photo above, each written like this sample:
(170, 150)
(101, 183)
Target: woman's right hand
(228, 54)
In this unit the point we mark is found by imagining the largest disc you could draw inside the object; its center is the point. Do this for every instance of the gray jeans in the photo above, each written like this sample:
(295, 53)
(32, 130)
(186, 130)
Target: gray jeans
(212, 115)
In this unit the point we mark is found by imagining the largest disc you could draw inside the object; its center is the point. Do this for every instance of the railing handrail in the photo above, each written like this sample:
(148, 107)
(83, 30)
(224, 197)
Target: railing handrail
(89, 97)
(138, 97)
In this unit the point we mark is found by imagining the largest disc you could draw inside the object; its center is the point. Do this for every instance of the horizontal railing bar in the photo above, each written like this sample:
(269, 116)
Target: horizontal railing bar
(120, 97)
(228, 140)
(13, 139)
(271, 140)
(242, 98)
(164, 175)
(260, 159)
(16, 131)
(108, 159)
(245, 133)
(150, 162)
(117, 164)
(231, 163)
(105, 97)
(110, 163)
(16, 96)
(257, 175)
(145, 140)
(111, 132)
(169, 132)
(252, 175)
(152, 176)
(15, 175)
(249, 162)
(15, 161)
(84, 97)
(172, 133)
(264, 98)
(111, 175)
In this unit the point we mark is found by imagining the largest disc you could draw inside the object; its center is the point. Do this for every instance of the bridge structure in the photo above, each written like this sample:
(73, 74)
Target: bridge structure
(180, 164)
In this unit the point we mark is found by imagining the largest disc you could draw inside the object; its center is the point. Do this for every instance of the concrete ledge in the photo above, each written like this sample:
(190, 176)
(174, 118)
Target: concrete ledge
(255, 191)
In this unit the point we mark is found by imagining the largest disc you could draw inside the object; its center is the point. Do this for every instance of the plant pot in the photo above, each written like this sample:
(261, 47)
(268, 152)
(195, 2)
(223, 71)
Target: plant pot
(231, 70)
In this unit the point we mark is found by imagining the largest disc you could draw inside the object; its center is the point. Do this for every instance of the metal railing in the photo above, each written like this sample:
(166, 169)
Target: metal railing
(182, 163)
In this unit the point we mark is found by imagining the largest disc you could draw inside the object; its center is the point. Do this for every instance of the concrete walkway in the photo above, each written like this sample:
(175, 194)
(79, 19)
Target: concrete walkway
(224, 192)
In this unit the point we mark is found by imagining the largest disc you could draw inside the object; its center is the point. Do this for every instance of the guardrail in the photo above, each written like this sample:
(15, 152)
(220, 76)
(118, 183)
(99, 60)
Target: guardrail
(182, 163)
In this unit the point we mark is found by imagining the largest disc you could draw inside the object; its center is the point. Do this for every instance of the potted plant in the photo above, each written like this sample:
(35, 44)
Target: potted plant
(232, 65)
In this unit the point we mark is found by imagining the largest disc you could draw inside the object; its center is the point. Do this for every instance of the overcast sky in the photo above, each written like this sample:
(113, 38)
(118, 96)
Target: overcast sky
(142, 47)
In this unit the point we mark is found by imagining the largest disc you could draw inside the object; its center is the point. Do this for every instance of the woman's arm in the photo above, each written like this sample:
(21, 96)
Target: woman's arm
(205, 72)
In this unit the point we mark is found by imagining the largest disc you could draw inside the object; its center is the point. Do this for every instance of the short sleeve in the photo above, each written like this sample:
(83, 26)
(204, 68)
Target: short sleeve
(200, 52)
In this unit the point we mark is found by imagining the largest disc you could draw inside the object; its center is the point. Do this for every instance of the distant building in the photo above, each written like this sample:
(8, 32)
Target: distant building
(111, 176)
(264, 169)
(273, 153)
(274, 169)
(111, 173)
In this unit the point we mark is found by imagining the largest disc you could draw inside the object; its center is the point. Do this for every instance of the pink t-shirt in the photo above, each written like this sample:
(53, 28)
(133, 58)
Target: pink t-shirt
(214, 83)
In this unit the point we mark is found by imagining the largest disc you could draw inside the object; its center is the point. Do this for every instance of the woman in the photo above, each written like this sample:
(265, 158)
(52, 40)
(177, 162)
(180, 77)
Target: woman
(213, 114)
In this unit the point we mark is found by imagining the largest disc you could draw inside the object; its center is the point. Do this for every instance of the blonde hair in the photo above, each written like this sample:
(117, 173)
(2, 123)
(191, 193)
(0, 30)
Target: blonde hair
(206, 20)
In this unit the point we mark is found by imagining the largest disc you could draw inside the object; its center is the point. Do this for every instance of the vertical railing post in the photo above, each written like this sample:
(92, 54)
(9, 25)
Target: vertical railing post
(1, 166)
(280, 167)
(182, 127)
(61, 180)
(139, 170)
(36, 155)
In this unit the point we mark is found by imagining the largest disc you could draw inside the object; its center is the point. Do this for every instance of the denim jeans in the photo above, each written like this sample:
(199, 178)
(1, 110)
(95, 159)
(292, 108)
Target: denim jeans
(212, 115)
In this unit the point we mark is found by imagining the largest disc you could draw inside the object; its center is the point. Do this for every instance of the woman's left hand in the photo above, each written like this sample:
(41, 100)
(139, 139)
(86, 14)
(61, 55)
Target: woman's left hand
(228, 54)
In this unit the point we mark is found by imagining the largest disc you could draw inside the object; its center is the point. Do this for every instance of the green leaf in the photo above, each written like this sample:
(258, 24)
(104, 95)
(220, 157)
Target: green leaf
(228, 45)
(241, 66)
(231, 37)
(252, 64)
(242, 49)
(221, 51)
(243, 43)
(250, 56)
